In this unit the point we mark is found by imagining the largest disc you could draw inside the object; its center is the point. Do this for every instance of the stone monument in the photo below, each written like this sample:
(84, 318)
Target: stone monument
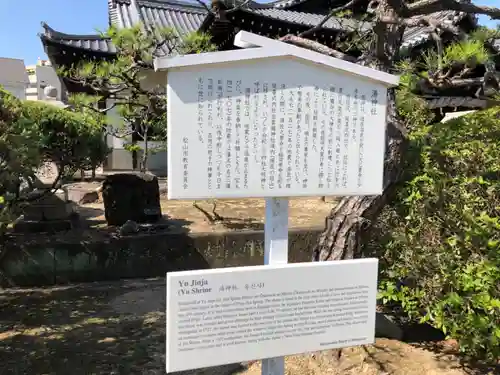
(131, 196)
(52, 210)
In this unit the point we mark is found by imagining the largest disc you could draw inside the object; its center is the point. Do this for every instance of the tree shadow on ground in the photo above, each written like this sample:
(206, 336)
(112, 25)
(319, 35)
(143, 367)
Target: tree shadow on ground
(446, 351)
(86, 330)
(236, 223)
(86, 212)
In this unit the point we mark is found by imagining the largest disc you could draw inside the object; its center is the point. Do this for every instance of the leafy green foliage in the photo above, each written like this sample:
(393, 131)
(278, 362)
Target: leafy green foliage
(439, 242)
(19, 152)
(31, 133)
(72, 140)
(435, 72)
(125, 84)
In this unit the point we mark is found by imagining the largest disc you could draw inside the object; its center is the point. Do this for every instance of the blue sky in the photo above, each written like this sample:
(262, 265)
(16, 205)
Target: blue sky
(20, 23)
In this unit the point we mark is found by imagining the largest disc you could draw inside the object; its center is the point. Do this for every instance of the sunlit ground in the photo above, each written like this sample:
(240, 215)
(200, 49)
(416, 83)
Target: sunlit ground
(119, 328)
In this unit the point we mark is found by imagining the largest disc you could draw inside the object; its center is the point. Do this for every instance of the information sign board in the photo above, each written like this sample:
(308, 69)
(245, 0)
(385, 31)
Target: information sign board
(257, 130)
(231, 315)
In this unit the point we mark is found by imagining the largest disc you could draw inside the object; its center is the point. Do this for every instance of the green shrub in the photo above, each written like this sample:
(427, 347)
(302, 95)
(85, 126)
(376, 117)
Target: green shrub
(439, 243)
(73, 140)
(31, 133)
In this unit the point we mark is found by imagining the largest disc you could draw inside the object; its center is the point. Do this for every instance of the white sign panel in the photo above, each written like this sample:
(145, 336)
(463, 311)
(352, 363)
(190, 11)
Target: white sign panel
(276, 127)
(232, 315)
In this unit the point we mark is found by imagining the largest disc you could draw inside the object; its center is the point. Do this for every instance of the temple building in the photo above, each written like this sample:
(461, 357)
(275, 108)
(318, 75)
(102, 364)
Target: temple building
(272, 19)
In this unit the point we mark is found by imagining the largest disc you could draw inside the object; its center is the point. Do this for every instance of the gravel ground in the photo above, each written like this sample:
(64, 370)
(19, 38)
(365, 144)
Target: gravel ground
(119, 328)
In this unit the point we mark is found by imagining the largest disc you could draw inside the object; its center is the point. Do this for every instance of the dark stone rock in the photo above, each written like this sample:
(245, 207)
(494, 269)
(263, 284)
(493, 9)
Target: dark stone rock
(44, 226)
(385, 327)
(131, 196)
(89, 197)
(130, 227)
(49, 206)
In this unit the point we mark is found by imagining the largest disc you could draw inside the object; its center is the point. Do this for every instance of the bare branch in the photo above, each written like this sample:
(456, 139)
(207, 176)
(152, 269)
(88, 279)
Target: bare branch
(315, 46)
(399, 6)
(332, 13)
(439, 45)
(50, 190)
(238, 7)
(116, 133)
(424, 7)
(204, 5)
(209, 217)
(434, 24)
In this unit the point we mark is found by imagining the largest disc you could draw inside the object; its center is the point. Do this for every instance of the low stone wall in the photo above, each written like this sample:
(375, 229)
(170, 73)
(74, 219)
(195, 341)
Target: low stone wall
(141, 256)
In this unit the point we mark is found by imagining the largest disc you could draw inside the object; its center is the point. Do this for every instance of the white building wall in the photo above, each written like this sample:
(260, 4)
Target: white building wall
(13, 76)
(19, 90)
(41, 76)
(121, 159)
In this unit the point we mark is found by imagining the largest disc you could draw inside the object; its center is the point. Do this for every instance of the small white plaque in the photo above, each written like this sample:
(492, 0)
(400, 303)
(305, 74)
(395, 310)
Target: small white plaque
(231, 315)
(279, 127)
(47, 173)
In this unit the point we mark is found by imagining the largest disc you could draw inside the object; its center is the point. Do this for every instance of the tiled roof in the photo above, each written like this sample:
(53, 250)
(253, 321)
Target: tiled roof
(93, 43)
(188, 16)
(286, 3)
(415, 35)
(184, 19)
(183, 16)
(456, 101)
(308, 19)
(279, 4)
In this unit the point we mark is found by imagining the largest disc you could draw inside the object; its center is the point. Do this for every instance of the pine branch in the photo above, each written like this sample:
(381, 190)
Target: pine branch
(316, 47)
(238, 7)
(228, 11)
(332, 13)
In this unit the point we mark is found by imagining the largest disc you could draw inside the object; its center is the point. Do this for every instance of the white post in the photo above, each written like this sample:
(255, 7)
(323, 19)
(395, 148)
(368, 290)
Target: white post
(275, 252)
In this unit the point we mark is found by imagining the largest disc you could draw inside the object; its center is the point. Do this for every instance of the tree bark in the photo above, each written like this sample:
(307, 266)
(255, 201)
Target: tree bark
(350, 220)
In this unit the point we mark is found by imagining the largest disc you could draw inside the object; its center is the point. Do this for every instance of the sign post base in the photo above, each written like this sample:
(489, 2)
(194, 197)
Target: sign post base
(275, 252)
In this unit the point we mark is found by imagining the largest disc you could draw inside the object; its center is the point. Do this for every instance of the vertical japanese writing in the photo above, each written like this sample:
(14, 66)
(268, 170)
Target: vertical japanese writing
(272, 145)
(246, 131)
(237, 137)
(280, 119)
(322, 140)
(355, 114)
(201, 108)
(229, 133)
(289, 145)
(210, 124)
(362, 110)
(345, 156)
(264, 136)
(303, 115)
(218, 133)
(338, 136)
(315, 118)
(256, 120)
(210, 101)
(185, 162)
(210, 161)
(304, 155)
(331, 129)
(374, 102)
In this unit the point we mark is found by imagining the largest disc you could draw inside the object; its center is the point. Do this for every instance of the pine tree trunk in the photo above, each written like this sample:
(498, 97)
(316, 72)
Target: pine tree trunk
(349, 221)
